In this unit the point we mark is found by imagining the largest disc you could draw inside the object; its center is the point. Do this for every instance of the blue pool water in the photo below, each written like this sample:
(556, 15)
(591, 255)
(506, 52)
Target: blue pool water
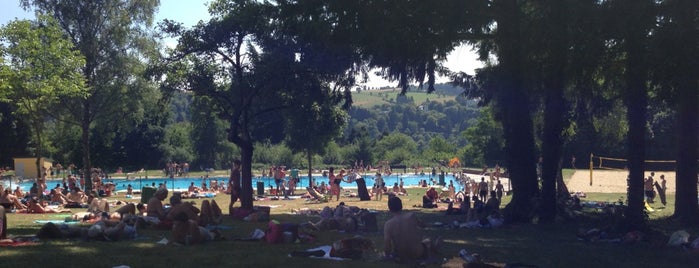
(183, 183)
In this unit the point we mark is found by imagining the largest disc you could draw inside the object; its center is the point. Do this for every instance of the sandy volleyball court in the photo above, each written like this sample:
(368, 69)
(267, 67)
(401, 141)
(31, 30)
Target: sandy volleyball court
(611, 181)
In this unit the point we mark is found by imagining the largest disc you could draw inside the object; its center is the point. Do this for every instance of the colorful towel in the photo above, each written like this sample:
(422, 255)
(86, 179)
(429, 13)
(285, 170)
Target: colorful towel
(56, 222)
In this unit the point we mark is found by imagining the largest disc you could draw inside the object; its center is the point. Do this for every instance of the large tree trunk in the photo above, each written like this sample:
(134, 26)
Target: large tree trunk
(87, 166)
(521, 158)
(636, 100)
(309, 157)
(246, 200)
(39, 151)
(686, 208)
(551, 151)
(636, 116)
(513, 103)
(687, 117)
(554, 109)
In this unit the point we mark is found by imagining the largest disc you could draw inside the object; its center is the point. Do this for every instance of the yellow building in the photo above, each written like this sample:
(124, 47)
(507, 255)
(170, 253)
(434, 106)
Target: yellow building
(26, 166)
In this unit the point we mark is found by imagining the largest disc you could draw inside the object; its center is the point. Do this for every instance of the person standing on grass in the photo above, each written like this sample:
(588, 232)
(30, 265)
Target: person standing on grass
(483, 189)
(662, 187)
(336, 184)
(234, 184)
(499, 189)
(648, 188)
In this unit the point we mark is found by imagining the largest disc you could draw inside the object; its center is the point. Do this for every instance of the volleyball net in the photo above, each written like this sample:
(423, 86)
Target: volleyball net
(611, 163)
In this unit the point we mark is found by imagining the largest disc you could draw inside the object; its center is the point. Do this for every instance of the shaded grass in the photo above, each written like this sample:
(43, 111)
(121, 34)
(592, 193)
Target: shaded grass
(546, 245)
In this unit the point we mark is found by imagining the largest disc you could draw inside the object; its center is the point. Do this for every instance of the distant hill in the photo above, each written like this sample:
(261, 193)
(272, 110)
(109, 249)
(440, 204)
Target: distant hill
(375, 97)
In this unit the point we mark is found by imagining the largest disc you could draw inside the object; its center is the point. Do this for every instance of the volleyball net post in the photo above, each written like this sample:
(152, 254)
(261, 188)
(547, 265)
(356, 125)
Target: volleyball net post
(591, 167)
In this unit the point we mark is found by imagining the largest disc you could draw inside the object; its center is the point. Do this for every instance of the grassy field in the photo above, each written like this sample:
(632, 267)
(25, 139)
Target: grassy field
(367, 99)
(545, 245)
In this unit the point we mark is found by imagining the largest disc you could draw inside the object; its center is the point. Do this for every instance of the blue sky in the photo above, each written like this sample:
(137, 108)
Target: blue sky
(189, 12)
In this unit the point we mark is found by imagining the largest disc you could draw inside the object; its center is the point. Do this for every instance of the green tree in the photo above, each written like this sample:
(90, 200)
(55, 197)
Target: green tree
(15, 136)
(676, 47)
(263, 71)
(554, 81)
(208, 133)
(506, 87)
(439, 150)
(484, 140)
(177, 145)
(395, 148)
(632, 34)
(312, 127)
(42, 67)
(112, 36)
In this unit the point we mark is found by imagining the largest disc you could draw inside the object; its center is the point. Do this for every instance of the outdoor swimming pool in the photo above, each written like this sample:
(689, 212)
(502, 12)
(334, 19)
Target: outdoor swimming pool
(183, 183)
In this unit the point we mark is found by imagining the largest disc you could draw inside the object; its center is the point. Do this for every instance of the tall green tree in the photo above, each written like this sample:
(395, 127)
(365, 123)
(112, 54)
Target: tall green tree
(509, 94)
(264, 59)
(208, 134)
(42, 67)
(636, 21)
(311, 127)
(395, 148)
(554, 81)
(677, 47)
(111, 35)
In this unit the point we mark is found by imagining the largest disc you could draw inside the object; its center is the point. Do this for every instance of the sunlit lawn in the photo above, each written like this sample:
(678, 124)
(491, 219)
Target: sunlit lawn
(546, 245)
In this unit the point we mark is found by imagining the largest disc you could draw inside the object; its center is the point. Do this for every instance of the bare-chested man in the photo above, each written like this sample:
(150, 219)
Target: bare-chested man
(176, 206)
(403, 235)
(155, 209)
(9, 200)
(186, 231)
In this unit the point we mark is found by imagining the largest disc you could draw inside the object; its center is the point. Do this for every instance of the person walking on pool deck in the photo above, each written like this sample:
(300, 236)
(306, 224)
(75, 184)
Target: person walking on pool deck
(234, 184)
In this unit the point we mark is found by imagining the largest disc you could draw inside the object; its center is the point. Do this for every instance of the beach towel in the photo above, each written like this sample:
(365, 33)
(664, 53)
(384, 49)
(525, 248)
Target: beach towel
(325, 250)
(218, 227)
(12, 243)
(56, 222)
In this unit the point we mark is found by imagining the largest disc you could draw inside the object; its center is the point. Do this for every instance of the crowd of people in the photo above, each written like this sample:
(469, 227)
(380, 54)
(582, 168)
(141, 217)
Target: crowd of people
(187, 223)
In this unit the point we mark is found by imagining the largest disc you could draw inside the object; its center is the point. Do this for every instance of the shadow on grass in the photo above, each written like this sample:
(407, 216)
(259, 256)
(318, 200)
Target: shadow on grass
(545, 245)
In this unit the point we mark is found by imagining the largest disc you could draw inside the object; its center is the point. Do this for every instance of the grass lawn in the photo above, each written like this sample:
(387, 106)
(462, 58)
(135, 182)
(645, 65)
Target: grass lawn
(545, 245)
(368, 99)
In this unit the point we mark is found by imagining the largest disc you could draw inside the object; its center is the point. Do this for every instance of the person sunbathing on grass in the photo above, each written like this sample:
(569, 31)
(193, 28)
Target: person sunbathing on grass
(131, 208)
(8, 200)
(188, 232)
(77, 196)
(156, 213)
(57, 197)
(177, 206)
(102, 229)
(355, 248)
(340, 218)
(211, 213)
(97, 205)
(35, 206)
(403, 236)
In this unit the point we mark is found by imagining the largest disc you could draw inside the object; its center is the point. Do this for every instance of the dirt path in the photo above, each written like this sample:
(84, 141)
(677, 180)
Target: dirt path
(611, 181)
